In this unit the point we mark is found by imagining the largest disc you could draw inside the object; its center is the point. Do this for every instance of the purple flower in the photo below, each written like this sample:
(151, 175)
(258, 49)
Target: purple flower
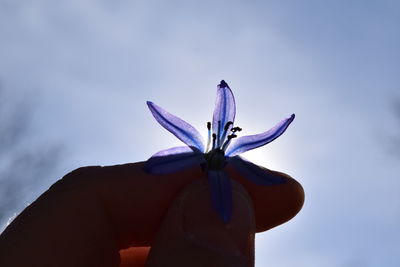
(222, 148)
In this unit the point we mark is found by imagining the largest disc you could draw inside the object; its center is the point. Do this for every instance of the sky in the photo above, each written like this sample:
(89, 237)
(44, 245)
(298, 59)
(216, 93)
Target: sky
(86, 69)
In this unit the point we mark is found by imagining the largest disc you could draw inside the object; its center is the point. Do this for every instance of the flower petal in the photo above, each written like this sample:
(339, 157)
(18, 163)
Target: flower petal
(178, 127)
(225, 108)
(255, 173)
(221, 194)
(173, 160)
(249, 142)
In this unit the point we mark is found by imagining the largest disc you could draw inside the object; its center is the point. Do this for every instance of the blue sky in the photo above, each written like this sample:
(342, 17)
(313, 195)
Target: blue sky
(88, 67)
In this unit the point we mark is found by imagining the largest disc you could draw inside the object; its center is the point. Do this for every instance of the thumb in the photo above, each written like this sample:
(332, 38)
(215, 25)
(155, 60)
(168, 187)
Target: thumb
(192, 233)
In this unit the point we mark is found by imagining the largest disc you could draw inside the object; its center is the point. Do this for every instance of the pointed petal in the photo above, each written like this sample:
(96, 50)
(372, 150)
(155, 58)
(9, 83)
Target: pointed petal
(221, 194)
(225, 107)
(249, 142)
(173, 160)
(255, 173)
(178, 127)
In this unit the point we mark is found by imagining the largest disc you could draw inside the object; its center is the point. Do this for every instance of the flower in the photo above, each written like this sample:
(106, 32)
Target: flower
(222, 148)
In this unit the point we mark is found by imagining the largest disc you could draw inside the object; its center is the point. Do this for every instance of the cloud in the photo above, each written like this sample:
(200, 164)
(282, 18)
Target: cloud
(93, 64)
(24, 163)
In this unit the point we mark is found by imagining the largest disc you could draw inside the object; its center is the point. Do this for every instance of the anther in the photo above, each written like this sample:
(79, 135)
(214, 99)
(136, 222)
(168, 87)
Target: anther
(209, 125)
(229, 123)
(232, 136)
(236, 129)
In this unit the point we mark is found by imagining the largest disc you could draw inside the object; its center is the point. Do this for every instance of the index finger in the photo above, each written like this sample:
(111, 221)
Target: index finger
(137, 201)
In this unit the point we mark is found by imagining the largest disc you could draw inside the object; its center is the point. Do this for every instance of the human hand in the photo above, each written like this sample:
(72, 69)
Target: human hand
(110, 216)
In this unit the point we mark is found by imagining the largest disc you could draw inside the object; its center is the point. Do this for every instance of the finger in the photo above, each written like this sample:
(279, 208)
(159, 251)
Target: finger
(128, 192)
(192, 233)
(274, 204)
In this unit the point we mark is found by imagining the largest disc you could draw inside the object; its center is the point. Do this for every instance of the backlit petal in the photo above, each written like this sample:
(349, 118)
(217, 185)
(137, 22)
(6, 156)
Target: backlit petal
(221, 194)
(173, 160)
(249, 142)
(225, 107)
(255, 173)
(178, 127)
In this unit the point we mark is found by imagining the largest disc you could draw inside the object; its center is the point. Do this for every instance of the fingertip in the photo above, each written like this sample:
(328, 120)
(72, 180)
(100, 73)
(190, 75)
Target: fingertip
(273, 204)
(278, 205)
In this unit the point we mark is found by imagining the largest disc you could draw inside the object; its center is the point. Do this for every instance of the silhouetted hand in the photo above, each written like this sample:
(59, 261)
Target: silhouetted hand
(111, 216)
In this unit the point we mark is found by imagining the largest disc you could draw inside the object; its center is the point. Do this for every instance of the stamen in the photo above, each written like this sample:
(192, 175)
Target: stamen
(214, 136)
(208, 136)
(219, 134)
(226, 128)
(228, 141)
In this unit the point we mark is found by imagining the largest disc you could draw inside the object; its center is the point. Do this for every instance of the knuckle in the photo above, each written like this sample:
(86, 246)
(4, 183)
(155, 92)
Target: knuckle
(78, 178)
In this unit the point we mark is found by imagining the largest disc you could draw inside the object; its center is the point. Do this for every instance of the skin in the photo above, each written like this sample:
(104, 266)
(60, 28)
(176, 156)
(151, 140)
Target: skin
(112, 216)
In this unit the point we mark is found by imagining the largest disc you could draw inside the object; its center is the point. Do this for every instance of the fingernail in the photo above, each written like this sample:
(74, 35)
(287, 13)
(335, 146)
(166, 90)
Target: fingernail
(203, 226)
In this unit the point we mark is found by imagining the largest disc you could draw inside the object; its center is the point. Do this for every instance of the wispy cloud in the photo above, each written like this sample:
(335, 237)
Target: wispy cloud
(25, 164)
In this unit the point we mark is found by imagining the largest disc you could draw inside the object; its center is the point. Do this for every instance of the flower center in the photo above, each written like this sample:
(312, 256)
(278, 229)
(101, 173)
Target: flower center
(215, 159)
(215, 156)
